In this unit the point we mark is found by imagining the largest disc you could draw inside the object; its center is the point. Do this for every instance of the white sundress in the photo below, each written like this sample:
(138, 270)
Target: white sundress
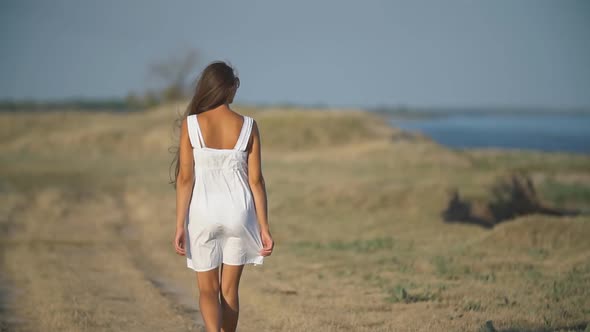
(221, 223)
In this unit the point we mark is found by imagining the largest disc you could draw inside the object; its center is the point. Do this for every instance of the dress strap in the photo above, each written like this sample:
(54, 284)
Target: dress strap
(192, 130)
(244, 138)
(199, 132)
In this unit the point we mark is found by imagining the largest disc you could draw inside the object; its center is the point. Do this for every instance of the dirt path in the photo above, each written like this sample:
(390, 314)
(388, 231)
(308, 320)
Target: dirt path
(76, 265)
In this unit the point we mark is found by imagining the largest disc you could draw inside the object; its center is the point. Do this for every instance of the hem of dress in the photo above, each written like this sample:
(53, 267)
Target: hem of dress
(257, 261)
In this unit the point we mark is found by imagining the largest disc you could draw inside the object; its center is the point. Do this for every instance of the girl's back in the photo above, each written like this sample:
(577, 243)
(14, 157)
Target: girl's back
(221, 128)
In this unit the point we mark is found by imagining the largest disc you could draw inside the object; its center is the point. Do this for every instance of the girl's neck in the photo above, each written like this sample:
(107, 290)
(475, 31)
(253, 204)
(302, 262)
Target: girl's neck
(222, 108)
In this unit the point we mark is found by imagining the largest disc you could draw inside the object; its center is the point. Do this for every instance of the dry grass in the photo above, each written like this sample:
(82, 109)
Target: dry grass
(355, 209)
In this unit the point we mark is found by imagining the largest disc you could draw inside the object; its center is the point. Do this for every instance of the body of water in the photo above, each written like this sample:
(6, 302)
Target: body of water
(546, 132)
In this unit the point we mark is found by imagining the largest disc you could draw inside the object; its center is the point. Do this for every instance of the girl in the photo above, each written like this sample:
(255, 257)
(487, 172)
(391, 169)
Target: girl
(221, 203)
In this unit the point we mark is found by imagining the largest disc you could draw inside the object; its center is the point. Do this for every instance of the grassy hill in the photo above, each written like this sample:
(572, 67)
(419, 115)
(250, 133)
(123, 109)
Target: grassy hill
(355, 209)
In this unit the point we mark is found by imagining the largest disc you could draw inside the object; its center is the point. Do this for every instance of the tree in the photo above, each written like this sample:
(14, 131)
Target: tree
(174, 73)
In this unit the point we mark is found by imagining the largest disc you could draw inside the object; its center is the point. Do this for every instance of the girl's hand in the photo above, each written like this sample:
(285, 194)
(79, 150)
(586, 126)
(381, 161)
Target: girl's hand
(179, 242)
(267, 243)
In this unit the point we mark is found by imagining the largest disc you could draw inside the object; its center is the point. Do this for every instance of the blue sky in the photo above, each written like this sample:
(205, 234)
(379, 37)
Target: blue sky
(340, 53)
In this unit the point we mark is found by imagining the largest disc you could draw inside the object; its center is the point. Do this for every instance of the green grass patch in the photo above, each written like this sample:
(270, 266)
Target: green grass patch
(566, 194)
(398, 264)
(471, 305)
(358, 246)
(538, 253)
(442, 265)
(401, 294)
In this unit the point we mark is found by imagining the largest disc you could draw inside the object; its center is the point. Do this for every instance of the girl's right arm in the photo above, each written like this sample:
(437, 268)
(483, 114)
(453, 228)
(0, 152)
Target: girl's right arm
(184, 186)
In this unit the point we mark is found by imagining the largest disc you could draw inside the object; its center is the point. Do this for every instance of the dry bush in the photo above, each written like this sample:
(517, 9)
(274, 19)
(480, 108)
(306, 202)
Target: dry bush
(509, 197)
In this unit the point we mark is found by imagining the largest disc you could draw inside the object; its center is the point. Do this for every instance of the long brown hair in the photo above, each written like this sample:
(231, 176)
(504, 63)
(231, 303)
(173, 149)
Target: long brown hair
(216, 85)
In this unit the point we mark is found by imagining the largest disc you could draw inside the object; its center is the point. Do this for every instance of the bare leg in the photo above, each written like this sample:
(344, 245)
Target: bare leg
(230, 304)
(209, 299)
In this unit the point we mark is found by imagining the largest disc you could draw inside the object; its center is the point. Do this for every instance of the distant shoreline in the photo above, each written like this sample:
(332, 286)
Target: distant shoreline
(547, 132)
(420, 113)
(401, 111)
